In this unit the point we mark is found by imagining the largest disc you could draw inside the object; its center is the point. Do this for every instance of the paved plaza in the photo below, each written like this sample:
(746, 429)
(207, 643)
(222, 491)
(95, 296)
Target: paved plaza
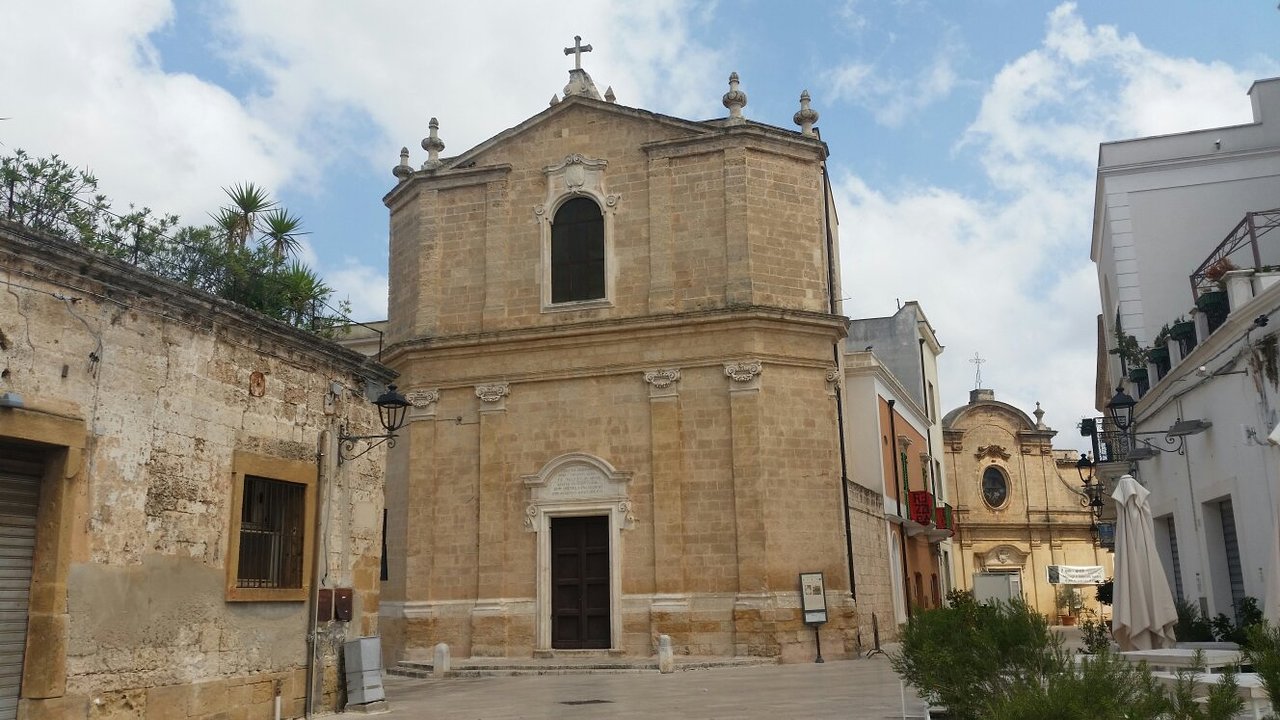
(860, 689)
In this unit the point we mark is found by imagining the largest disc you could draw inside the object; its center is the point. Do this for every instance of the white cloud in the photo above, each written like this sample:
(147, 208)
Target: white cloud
(1007, 273)
(83, 81)
(892, 99)
(361, 285)
(479, 68)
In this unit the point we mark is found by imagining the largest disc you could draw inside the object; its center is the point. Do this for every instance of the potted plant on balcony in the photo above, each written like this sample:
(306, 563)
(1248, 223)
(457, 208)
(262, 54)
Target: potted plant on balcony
(1182, 329)
(1127, 348)
(1218, 270)
(1158, 355)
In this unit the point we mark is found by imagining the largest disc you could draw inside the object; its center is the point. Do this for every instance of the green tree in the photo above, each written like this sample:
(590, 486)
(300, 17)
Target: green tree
(239, 220)
(282, 232)
(51, 196)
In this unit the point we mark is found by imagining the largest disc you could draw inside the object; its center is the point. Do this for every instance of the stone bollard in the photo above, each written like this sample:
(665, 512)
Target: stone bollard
(440, 664)
(666, 660)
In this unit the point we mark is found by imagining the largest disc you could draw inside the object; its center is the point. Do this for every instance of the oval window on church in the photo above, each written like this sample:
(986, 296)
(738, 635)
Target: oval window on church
(995, 487)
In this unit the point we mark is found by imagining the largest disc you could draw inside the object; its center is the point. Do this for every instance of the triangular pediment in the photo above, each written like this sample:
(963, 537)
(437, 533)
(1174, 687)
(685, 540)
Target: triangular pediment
(564, 110)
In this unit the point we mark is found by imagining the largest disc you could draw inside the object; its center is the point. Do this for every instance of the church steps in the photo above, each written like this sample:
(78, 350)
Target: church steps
(574, 666)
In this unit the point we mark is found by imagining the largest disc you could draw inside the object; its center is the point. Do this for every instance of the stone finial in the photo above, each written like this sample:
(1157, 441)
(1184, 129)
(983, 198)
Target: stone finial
(403, 171)
(609, 96)
(1039, 417)
(806, 116)
(555, 99)
(433, 145)
(735, 99)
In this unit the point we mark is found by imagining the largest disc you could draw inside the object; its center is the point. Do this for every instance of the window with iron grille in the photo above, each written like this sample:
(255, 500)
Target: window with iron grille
(271, 534)
(272, 528)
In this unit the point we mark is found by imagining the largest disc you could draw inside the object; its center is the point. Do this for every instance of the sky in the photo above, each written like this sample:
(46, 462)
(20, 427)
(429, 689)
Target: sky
(963, 133)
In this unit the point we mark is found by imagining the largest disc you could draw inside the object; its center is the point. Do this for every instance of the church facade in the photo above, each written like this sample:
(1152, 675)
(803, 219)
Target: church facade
(619, 331)
(1018, 507)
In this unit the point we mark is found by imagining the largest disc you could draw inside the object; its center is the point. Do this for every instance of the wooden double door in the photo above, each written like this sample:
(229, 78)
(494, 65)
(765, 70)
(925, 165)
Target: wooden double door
(580, 582)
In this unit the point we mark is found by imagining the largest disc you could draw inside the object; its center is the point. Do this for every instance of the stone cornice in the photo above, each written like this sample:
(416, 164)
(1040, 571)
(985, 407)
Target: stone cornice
(599, 330)
(445, 179)
(750, 137)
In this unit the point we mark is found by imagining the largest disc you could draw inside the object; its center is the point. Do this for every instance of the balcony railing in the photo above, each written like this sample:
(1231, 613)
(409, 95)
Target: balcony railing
(1245, 248)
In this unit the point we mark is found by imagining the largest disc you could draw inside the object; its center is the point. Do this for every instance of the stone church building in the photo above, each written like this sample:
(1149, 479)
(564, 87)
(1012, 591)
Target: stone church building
(620, 334)
(1018, 504)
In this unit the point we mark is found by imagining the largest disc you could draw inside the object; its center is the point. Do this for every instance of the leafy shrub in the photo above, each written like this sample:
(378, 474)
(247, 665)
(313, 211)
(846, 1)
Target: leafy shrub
(1228, 629)
(1105, 591)
(1001, 662)
(1191, 627)
(1095, 633)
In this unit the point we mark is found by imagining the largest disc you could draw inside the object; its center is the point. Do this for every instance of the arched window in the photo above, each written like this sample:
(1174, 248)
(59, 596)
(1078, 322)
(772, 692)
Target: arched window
(577, 252)
(995, 487)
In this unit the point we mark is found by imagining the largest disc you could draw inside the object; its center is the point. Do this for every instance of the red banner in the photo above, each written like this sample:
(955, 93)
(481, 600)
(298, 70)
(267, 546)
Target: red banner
(920, 503)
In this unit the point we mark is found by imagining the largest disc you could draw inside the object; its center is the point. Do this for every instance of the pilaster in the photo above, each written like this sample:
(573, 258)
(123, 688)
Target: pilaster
(661, 242)
(488, 621)
(667, 467)
(737, 252)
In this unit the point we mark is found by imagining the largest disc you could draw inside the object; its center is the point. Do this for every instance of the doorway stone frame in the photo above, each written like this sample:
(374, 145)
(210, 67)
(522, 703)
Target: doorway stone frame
(44, 667)
(577, 485)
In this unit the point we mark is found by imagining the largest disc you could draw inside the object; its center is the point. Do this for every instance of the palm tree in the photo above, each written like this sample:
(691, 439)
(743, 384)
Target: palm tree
(281, 231)
(303, 293)
(240, 219)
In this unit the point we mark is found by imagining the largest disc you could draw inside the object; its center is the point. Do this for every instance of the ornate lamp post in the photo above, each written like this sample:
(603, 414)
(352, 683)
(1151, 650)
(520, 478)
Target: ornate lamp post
(391, 411)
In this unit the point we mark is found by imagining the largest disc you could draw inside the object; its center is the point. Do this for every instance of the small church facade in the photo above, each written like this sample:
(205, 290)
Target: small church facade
(1019, 508)
(618, 330)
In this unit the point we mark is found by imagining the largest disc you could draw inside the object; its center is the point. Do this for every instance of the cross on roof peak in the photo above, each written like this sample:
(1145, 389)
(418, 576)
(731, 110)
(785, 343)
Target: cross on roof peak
(576, 51)
(977, 361)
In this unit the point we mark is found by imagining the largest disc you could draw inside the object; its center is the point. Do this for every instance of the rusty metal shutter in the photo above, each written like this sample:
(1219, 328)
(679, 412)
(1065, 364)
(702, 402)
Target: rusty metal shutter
(19, 495)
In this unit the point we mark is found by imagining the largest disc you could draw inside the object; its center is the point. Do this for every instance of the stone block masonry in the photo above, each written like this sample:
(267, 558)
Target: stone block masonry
(145, 406)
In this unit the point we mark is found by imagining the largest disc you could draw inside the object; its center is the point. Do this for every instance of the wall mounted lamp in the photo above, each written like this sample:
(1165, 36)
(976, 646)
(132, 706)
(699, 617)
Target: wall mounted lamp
(1093, 487)
(1120, 408)
(391, 413)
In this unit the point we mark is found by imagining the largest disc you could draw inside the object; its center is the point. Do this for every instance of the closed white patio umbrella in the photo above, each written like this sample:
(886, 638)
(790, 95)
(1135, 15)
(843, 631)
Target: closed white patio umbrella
(1143, 613)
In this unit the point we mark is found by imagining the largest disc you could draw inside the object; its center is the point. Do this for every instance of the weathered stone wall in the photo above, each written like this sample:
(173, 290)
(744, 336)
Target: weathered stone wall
(871, 564)
(168, 386)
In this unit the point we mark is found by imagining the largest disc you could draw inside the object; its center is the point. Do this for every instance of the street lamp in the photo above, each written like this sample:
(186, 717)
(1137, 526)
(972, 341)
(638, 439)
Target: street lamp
(1121, 408)
(391, 411)
(1093, 488)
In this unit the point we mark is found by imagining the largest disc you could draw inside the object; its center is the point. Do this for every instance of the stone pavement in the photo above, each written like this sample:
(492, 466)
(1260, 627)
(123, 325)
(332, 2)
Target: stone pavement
(862, 689)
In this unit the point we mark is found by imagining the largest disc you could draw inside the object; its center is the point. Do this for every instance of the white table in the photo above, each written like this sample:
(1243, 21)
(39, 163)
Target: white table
(1249, 689)
(1174, 658)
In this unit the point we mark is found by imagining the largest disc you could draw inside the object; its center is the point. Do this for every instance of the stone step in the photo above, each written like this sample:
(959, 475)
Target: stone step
(577, 666)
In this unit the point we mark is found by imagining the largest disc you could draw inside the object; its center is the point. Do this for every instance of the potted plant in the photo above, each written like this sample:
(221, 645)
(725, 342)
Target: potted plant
(1069, 603)
(1138, 375)
(1218, 270)
(1131, 354)
(1215, 306)
(1182, 329)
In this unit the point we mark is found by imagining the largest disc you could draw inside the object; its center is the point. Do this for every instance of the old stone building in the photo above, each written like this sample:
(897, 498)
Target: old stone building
(170, 499)
(1017, 502)
(620, 331)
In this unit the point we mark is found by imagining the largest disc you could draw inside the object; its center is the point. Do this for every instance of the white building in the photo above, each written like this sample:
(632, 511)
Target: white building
(894, 440)
(1178, 219)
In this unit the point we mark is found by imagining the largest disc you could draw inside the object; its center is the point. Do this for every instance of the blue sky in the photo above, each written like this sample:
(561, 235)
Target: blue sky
(963, 134)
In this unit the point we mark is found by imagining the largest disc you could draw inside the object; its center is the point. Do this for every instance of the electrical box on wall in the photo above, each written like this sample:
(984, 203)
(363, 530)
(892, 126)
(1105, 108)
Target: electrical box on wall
(342, 601)
(324, 605)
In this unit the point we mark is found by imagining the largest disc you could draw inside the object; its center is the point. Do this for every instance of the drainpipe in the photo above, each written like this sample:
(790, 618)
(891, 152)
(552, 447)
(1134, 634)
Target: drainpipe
(313, 623)
(897, 495)
(835, 350)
